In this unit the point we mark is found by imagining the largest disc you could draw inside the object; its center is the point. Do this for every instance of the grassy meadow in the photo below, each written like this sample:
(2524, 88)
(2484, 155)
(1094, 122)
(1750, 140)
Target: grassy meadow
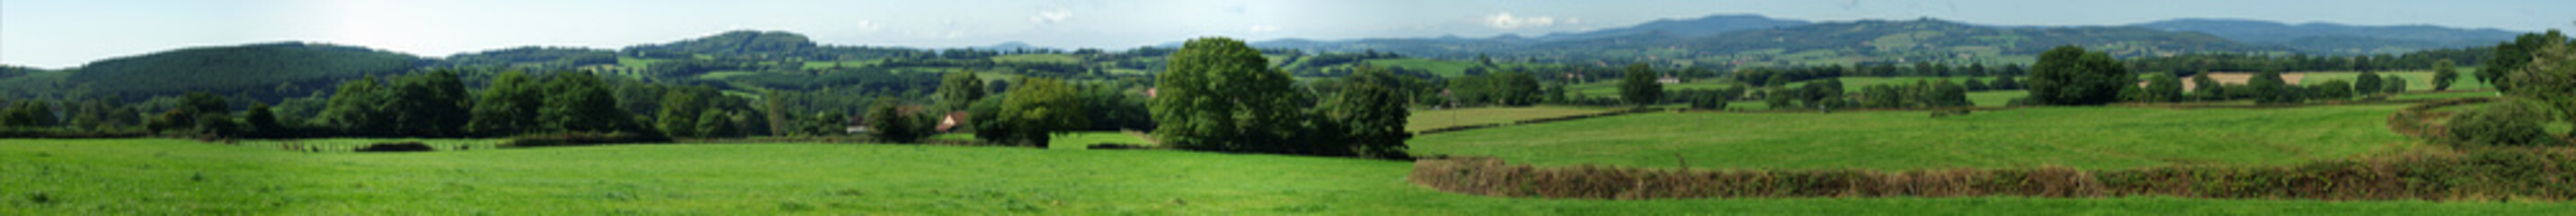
(1432, 119)
(156, 176)
(2081, 137)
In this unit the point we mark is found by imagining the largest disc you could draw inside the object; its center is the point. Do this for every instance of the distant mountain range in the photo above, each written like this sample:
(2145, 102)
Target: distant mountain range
(275, 70)
(1743, 39)
(2332, 38)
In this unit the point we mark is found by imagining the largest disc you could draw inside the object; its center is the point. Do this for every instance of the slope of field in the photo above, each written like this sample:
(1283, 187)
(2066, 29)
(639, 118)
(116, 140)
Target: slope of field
(1430, 119)
(2082, 137)
(156, 177)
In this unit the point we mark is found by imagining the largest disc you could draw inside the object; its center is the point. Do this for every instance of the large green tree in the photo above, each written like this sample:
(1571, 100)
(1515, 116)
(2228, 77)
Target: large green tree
(2444, 73)
(1041, 107)
(2068, 75)
(2367, 83)
(1219, 94)
(1638, 86)
(1371, 117)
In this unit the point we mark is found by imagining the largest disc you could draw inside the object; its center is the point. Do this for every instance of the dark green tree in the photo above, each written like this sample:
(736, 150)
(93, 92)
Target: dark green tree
(2331, 90)
(2164, 89)
(432, 104)
(508, 106)
(260, 121)
(679, 114)
(2269, 88)
(2366, 84)
(1372, 117)
(28, 114)
(2207, 89)
(2444, 73)
(1638, 86)
(2068, 75)
(888, 122)
(717, 124)
(1042, 107)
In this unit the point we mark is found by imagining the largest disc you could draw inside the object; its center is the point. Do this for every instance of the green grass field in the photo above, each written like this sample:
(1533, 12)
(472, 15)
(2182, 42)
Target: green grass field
(1430, 119)
(2085, 137)
(155, 177)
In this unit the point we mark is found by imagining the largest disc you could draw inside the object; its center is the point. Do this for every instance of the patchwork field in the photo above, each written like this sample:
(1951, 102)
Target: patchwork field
(152, 177)
(2082, 137)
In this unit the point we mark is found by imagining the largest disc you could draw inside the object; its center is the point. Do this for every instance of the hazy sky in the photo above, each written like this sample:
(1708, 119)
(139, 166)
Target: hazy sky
(66, 33)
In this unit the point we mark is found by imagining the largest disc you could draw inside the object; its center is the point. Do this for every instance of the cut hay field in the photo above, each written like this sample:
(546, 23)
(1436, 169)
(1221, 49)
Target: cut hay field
(2081, 137)
(1432, 119)
(162, 177)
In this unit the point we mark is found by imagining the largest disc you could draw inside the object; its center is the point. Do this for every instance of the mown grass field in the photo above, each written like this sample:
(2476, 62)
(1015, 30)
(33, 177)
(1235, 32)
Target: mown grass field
(2081, 137)
(1432, 119)
(153, 176)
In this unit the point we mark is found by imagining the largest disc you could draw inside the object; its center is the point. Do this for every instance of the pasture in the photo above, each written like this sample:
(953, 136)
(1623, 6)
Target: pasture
(157, 176)
(2081, 137)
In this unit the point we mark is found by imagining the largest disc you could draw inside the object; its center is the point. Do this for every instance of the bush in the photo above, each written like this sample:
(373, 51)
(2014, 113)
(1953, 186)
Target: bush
(2507, 123)
(397, 147)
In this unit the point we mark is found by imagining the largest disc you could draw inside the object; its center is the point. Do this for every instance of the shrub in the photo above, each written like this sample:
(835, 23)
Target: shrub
(2508, 123)
(397, 147)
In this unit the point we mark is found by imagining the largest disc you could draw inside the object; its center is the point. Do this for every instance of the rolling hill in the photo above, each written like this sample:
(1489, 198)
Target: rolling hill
(265, 71)
(2330, 38)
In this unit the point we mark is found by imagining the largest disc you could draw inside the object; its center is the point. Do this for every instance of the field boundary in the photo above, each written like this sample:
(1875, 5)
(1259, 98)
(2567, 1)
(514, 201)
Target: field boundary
(2417, 121)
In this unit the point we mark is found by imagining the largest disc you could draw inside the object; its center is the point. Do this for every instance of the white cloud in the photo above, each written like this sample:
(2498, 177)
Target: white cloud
(1264, 28)
(1051, 16)
(869, 25)
(1507, 21)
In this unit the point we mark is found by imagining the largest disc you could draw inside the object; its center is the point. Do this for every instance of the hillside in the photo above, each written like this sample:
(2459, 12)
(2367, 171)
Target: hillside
(265, 71)
(732, 43)
(2329, 38)
(1871, 41)
(1709, 25)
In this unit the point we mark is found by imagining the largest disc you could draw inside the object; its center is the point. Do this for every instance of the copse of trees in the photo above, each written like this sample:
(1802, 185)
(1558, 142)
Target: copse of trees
(2068, 75)
(2367, 83)
(2268, 88)
(1220, 95)
(2163, 89)
(2514, 55)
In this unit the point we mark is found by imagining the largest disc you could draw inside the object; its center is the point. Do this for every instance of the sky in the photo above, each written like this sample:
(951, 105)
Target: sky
(67, 33)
